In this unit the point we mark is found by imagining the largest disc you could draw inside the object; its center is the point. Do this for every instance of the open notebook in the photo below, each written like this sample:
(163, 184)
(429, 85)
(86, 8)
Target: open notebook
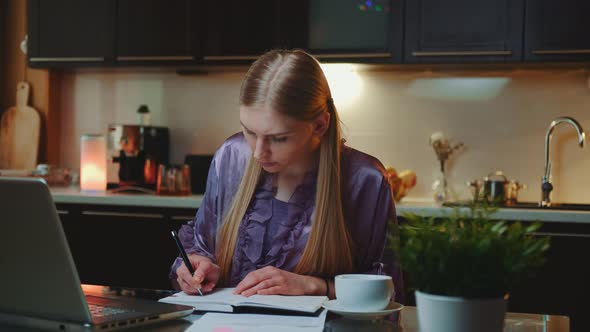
(224, 300)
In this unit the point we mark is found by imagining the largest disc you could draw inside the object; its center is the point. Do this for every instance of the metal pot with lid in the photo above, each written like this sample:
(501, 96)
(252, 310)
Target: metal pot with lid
(497, 189)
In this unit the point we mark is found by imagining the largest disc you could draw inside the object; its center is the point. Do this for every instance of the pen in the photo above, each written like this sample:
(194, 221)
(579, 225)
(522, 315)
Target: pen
(187, 262)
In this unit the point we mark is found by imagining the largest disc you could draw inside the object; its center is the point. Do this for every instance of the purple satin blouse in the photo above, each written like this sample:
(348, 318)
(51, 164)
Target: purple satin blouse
(366, 199)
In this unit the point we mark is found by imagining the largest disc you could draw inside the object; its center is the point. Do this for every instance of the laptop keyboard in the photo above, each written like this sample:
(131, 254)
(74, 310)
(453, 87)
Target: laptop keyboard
(97, 310)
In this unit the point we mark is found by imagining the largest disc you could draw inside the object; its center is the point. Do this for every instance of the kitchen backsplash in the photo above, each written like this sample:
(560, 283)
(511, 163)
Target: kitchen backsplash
(501, 116)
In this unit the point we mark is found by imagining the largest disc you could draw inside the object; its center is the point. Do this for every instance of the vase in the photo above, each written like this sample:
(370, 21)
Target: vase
(442, 191)
(438, 313)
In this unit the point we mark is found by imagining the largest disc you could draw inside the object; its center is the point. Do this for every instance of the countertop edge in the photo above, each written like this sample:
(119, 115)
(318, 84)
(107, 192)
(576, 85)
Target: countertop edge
(569, 216)
(74, 196)
(428, 208)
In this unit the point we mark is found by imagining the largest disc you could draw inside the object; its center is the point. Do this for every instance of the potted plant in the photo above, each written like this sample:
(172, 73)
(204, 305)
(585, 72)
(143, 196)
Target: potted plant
(463, 266)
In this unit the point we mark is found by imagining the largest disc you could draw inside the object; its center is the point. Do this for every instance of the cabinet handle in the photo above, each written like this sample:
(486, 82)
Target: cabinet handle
(123, 214)
(353, 55)
(64, 212)
(556, 52)
(462, 53)
(319, 55)
(230, 57)
(67, 59)
(186, 218)
(561, 234)
(155, 58)
(322, 55)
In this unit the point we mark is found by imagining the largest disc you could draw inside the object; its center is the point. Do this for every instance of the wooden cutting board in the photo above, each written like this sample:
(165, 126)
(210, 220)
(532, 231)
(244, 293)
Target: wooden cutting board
(19, 133)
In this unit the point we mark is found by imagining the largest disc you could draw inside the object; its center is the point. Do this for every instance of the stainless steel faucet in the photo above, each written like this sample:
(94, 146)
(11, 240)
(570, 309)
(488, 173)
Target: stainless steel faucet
(546, 186)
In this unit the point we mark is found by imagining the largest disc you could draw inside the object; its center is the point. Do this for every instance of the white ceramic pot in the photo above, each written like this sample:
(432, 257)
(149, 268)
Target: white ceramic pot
(438, 313)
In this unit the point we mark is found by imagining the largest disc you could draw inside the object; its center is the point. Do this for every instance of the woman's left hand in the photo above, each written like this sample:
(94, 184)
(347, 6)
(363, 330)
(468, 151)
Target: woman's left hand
(273, 281)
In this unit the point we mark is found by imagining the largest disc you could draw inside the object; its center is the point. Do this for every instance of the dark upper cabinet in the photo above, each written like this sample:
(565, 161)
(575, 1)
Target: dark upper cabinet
(155, 30)
(368, 31)
(463, 31)
(240, 30)
(557, 30)
(167, 32)
(330, 29)
(70, 31)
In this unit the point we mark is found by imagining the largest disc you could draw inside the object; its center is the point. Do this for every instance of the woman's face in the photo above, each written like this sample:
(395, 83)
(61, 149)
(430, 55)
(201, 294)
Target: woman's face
(280, 142)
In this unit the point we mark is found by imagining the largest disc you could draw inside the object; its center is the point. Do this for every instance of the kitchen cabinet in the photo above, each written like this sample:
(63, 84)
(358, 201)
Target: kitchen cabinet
(329, 29)
(463, 31)
(156, 31)
(561, 285)
(122, 245)
(352, 31)
(70, 32)
(237, 30)
(556, 30)
(76, 33)
(159, 32)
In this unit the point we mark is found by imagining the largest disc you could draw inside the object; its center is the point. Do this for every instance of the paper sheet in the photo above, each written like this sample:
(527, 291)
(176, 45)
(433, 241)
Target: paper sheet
(218, 322)
(220, 296)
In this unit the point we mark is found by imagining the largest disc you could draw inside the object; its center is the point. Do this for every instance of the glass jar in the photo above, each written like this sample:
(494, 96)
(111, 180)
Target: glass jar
(173, 180)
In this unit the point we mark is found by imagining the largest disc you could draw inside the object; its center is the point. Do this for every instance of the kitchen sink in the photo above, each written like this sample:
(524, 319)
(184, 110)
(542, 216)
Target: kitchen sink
(554, 206)
(532, 205)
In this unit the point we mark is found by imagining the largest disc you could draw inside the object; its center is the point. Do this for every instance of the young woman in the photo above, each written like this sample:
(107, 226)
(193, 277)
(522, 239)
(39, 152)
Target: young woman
(287, 206)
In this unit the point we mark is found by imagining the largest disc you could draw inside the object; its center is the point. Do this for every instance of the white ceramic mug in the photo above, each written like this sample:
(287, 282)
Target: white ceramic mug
(363, 292)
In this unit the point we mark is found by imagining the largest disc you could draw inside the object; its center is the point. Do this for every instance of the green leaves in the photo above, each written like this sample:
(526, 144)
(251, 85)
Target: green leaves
(467, 254)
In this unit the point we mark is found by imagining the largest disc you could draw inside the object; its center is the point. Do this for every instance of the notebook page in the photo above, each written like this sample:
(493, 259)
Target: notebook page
(299, 303)
(218, 296)
(225, 296)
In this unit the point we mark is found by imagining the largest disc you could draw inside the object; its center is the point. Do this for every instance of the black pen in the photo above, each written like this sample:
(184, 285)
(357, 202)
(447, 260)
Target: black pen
(187, 262)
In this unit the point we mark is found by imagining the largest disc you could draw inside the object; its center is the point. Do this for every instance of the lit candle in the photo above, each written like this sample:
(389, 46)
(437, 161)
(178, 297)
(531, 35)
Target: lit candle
(93, 163)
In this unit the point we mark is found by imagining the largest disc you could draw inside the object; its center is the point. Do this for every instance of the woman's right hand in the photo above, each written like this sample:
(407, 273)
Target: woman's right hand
(206, 275)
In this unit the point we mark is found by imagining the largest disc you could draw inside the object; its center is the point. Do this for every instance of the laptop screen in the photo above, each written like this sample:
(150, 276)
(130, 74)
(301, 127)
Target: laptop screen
(38, 276)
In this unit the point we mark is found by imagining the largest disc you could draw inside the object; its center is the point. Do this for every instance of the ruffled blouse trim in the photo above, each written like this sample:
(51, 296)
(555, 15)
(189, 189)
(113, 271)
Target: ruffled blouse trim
(249, 255)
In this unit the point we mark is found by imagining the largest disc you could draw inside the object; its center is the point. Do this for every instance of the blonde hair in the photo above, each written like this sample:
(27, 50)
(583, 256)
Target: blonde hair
(293, 83)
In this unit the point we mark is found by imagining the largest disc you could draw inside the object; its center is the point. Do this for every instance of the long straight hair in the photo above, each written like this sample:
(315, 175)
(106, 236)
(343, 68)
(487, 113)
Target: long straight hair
(293, 83)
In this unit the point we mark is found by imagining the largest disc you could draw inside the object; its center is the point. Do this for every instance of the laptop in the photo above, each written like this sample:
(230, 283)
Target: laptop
(39, 284)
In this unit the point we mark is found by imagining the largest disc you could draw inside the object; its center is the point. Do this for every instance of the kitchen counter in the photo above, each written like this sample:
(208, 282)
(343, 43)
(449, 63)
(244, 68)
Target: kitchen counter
(73, 195)
(430, 208)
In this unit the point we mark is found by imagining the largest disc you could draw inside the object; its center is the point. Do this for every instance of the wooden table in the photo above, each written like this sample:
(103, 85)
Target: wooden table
(515, 322)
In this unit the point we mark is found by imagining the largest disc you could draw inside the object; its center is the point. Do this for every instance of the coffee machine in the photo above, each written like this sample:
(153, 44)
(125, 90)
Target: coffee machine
(134, 152)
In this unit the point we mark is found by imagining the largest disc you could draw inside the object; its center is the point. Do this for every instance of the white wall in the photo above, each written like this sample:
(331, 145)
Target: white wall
(501, 116)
